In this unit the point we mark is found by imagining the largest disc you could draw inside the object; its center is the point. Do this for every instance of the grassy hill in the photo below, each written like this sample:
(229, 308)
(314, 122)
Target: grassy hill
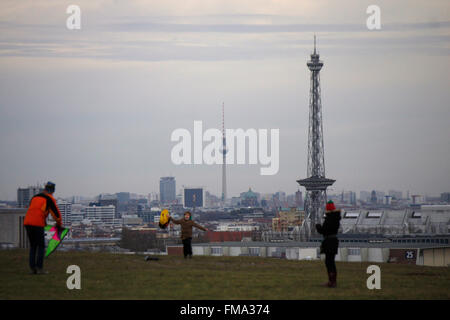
(113, 276)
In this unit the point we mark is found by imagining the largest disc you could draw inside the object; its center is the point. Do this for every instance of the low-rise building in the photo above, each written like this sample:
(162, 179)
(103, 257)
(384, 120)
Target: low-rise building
(12, 231)
(414, 253)
(225, 236)
(427, 219)
(288, 219)
(438, 256)
(237, 226)
(131, 220)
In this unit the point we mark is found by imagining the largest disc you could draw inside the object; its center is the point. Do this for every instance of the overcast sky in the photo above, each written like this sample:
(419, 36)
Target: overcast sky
(93, 109)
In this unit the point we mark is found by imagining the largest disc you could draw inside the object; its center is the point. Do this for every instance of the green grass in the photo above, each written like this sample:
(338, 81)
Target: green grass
(113, 276)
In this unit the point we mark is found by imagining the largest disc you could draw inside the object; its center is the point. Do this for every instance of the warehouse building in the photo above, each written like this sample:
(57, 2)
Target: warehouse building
(378, 252)
(428, 219)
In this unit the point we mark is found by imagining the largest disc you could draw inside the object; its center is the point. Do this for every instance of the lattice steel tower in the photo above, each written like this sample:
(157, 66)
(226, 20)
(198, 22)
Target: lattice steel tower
(316, 183)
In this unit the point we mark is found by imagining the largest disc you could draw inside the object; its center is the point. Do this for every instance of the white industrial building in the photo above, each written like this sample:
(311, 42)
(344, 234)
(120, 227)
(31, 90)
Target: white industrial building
(377, 252)
(429, 219)
(102, 214)
(237, 226)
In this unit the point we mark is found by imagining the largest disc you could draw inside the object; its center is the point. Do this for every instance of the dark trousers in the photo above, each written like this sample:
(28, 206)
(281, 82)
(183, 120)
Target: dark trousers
(187, 247)
(37, 246)
(329, 262)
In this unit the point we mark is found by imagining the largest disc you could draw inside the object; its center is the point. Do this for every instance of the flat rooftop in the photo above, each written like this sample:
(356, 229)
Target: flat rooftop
(295, 244)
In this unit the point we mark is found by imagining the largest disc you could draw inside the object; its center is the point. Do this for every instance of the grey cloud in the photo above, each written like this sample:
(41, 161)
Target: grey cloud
(148, 50)
(262, 28)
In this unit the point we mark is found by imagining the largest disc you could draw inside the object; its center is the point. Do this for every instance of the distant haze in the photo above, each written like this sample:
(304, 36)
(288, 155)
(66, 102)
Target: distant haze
(93, 109)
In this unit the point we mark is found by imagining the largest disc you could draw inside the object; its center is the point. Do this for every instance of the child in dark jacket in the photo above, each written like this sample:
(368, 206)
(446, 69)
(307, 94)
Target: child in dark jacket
(330, 243)
(186, 232)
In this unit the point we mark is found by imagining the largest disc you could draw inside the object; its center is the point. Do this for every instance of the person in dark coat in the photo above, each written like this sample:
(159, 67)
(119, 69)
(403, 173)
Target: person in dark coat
(330, 243)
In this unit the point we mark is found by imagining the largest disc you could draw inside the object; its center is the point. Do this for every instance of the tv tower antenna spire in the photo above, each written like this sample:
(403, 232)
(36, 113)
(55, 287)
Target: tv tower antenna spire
(224, 163)
(314, 44)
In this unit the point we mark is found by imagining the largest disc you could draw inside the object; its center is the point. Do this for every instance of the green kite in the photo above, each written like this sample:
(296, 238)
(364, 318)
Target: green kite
(58, 236)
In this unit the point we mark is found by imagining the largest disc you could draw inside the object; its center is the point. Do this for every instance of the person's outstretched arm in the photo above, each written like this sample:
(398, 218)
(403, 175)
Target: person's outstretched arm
(175, 220)
(199, 227)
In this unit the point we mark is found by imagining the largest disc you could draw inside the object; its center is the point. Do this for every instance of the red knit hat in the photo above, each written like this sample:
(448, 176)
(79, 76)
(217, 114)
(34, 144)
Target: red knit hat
(330, 206)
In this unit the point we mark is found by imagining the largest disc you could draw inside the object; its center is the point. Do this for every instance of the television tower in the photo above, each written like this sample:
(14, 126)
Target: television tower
(224, 163)
(316, 184)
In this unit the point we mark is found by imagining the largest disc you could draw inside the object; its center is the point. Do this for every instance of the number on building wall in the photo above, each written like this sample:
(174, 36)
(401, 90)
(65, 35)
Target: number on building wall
(409, 254)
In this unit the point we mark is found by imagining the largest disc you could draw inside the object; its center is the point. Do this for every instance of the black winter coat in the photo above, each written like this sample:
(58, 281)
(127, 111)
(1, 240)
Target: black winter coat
(329, 229)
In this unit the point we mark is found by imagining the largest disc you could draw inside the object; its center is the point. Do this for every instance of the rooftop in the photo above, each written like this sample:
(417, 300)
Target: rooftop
(295, 244)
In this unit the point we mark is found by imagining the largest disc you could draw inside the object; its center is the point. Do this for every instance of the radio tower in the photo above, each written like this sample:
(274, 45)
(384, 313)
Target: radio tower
(316, 184)
(224, 164)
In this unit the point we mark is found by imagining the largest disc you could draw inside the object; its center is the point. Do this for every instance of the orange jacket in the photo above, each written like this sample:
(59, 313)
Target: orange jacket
(40, 206)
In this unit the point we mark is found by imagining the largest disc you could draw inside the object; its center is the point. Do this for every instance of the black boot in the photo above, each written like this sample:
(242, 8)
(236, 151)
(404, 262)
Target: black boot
(333, 280)
(327, 284)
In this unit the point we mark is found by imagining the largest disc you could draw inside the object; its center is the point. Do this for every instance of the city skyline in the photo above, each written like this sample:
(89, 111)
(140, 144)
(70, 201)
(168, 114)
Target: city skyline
(179, 191)
(104, 100)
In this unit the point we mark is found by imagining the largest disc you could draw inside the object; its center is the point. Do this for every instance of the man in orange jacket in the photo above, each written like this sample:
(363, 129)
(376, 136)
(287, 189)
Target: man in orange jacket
(35, 220)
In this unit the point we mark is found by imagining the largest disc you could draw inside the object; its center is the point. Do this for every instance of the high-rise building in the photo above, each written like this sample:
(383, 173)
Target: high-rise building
(24, 195)
(352, 197)
(66, 212)
(398, 195)
(298, 199)
(101, 214)
(193, 197)
(123, 197)
(167, 187)
(290, 200)
(445, 197)
(364, 196)
(373, 197)
(380, 196)
(347, 197)
(108, 202)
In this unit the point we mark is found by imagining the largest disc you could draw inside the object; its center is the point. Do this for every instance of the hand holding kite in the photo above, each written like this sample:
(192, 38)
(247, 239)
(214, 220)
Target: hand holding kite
(164, 219)
(59, 233)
